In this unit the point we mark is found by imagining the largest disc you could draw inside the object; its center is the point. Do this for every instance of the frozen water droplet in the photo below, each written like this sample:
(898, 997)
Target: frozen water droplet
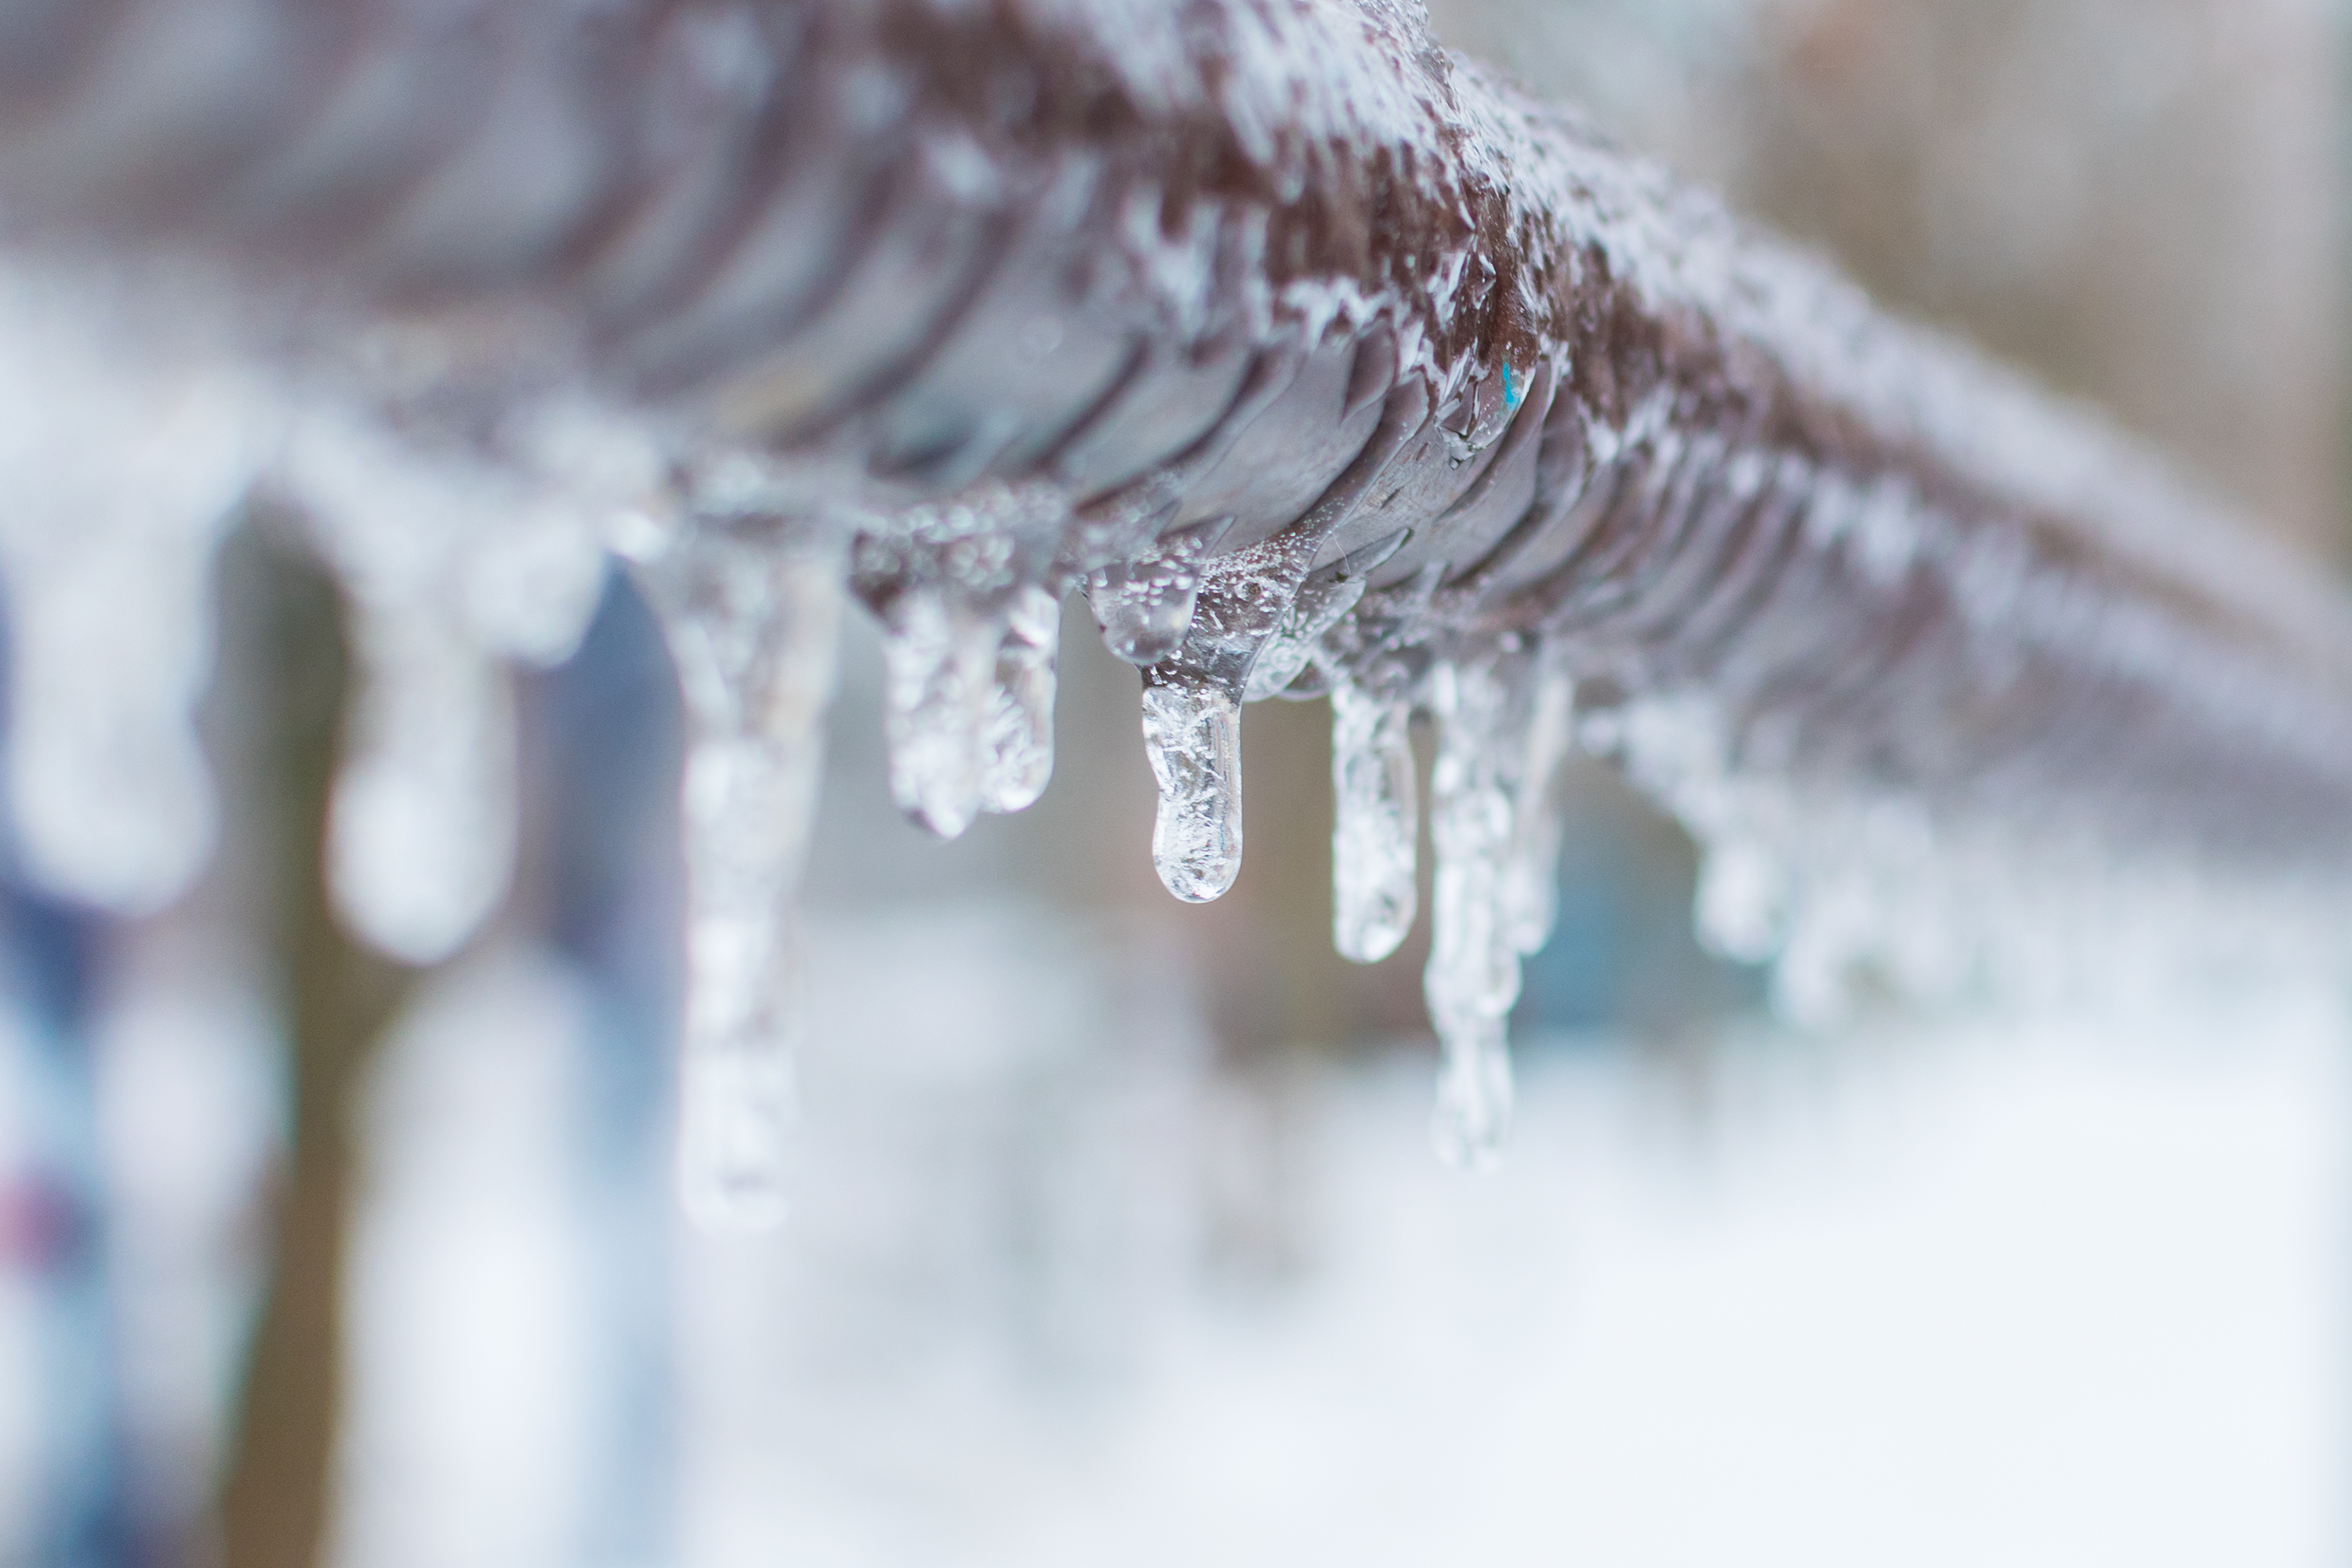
(1019, 760)
(752, 623)
(1145, 606)
(1472, 976)
(1375, 824)
(941, 660)
(1192, 732)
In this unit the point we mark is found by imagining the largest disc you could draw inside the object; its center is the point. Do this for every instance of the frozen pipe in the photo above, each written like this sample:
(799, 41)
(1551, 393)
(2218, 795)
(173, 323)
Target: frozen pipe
(1284, 275)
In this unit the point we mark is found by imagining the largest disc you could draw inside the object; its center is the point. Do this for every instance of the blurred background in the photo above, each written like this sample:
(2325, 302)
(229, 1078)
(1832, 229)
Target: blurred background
(1116, 1236)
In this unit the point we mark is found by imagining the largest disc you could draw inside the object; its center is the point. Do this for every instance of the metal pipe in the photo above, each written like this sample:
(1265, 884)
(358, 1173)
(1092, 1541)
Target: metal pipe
(1289, 265)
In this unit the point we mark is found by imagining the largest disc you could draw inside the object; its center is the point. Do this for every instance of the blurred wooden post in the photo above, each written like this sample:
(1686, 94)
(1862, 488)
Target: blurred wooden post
(337, 997)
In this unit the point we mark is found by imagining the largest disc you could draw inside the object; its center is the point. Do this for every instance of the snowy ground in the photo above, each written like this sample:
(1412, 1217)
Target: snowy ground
(2064, 1294)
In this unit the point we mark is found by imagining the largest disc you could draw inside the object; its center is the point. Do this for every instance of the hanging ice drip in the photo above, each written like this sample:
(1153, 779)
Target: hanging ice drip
(453, 565)
(1503, 728)
(751, 608)
(972, 613)
(127, 453)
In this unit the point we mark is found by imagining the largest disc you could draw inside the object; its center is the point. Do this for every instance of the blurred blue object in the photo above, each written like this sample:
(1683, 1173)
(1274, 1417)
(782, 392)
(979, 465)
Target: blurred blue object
(604, 746)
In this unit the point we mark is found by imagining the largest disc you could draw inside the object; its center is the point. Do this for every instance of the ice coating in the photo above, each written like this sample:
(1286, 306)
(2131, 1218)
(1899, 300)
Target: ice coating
(751, 611)
(126, 459)
(1145, 606)
(1376, 821)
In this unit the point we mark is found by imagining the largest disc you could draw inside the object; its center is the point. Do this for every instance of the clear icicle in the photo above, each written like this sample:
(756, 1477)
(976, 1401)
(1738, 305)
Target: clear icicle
(941, 660)
(1531, 874)
(1018, 761)
(1192, 734)
(1145, 606)
(1472, 976)
(1375, 824)
(751, 625)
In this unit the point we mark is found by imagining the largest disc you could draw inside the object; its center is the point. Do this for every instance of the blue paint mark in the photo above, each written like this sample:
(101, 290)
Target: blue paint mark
(1512, 392)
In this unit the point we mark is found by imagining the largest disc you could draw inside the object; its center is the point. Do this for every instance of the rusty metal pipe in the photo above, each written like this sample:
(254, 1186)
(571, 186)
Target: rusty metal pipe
(1187, 263)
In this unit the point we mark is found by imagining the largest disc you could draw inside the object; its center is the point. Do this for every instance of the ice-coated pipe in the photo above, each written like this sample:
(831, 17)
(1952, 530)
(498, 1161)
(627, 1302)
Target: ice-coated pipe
(1287, 265)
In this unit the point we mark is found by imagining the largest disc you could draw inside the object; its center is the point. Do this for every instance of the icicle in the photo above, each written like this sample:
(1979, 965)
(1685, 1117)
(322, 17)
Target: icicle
(1472, 976)
(1192, 734)
(751, 624)
(1375, 823)
(1191, 700)
(1145, 606)
(969, 656)
(1019, 761)
(940, 658)
(1531, 873)
(450, 562)
(125, 454)
(421, 843)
